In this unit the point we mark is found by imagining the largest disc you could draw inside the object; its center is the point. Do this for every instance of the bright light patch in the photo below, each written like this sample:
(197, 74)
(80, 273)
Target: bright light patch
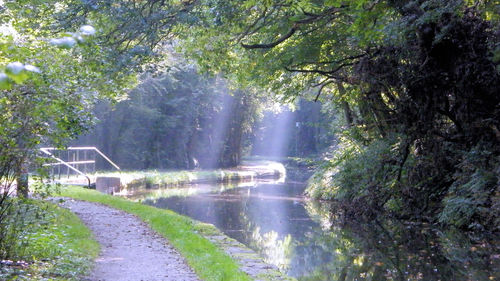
(31, 68)
(15, 67)
(65, 42)
(87, 30)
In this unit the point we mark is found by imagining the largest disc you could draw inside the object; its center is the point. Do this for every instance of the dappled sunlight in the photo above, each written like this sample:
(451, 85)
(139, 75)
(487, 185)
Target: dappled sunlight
(141, 193)
(144, 194)
(109, 259)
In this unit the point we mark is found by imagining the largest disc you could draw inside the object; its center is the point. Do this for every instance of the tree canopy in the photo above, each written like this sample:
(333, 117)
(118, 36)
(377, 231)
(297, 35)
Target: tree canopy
(416, 82)
(50, 80)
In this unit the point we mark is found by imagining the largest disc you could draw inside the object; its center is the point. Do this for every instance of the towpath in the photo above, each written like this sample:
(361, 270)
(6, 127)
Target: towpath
(130, 250)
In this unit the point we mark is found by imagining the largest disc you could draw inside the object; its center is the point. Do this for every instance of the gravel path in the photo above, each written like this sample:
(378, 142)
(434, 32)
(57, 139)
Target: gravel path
(130, 250)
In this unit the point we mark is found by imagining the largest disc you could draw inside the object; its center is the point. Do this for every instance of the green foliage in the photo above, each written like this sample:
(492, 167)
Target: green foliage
(19, 217)
(415, 79)
(415, 87)
(303, 35)
(367, 177)
(168, 112)
(51, 90)
(470, 201)
(54, 243)
(48, 86)
(181, 119)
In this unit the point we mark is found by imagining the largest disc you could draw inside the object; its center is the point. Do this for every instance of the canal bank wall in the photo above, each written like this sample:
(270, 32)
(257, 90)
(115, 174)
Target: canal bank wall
(248, 171)
(249, 261)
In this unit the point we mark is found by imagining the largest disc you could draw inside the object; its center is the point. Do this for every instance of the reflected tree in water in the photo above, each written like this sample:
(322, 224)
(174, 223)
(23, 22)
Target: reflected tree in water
(390, 250)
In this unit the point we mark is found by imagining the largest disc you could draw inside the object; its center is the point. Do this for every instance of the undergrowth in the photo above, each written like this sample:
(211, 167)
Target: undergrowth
(372, 180)
(50, 243)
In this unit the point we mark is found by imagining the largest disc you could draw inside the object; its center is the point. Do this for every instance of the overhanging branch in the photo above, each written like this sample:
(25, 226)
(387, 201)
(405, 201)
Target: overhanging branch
(273, 44)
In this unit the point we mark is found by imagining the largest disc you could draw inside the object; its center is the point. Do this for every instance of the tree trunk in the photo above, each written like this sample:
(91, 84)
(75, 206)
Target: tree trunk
(349, 115)
(22, 179)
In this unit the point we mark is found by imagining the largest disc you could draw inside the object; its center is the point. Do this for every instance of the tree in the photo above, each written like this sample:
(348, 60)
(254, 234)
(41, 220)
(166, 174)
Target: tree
(48, 87)
(417, 81)
(180, 119)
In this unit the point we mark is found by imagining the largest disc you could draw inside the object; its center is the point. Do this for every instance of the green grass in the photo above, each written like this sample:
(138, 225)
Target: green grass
(57, 247)
(208, 261)
(173, 178)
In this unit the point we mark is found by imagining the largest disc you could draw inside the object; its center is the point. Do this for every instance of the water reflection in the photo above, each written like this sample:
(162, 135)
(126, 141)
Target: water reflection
(390, 250)
(307, 242)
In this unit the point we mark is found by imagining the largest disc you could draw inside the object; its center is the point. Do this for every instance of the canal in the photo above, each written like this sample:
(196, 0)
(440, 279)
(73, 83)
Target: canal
(307, 241)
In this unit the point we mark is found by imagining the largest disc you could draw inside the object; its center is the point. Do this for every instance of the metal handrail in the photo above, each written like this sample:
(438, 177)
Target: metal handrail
(72, 162)
(46, 150)
(86, 148)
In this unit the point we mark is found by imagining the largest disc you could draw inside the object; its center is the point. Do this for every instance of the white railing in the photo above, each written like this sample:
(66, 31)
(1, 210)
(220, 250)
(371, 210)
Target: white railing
(73, 165)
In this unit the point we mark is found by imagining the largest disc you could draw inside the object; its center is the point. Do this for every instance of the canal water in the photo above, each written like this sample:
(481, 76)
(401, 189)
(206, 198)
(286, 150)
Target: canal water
(307, 242)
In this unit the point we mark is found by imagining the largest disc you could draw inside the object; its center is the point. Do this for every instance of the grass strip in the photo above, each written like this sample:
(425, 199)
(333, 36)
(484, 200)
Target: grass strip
(208, 261)
(164, 179)
(250, 170)
(58, 246)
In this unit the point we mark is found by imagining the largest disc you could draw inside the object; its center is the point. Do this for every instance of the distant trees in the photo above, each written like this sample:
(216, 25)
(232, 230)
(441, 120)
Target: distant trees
(181, 119)
(185, 120)
(302, 132)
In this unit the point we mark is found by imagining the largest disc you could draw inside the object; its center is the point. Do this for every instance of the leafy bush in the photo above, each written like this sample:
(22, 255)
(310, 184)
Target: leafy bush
(471, 198)
(369, 174)
(50, 243)
(19, 218)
